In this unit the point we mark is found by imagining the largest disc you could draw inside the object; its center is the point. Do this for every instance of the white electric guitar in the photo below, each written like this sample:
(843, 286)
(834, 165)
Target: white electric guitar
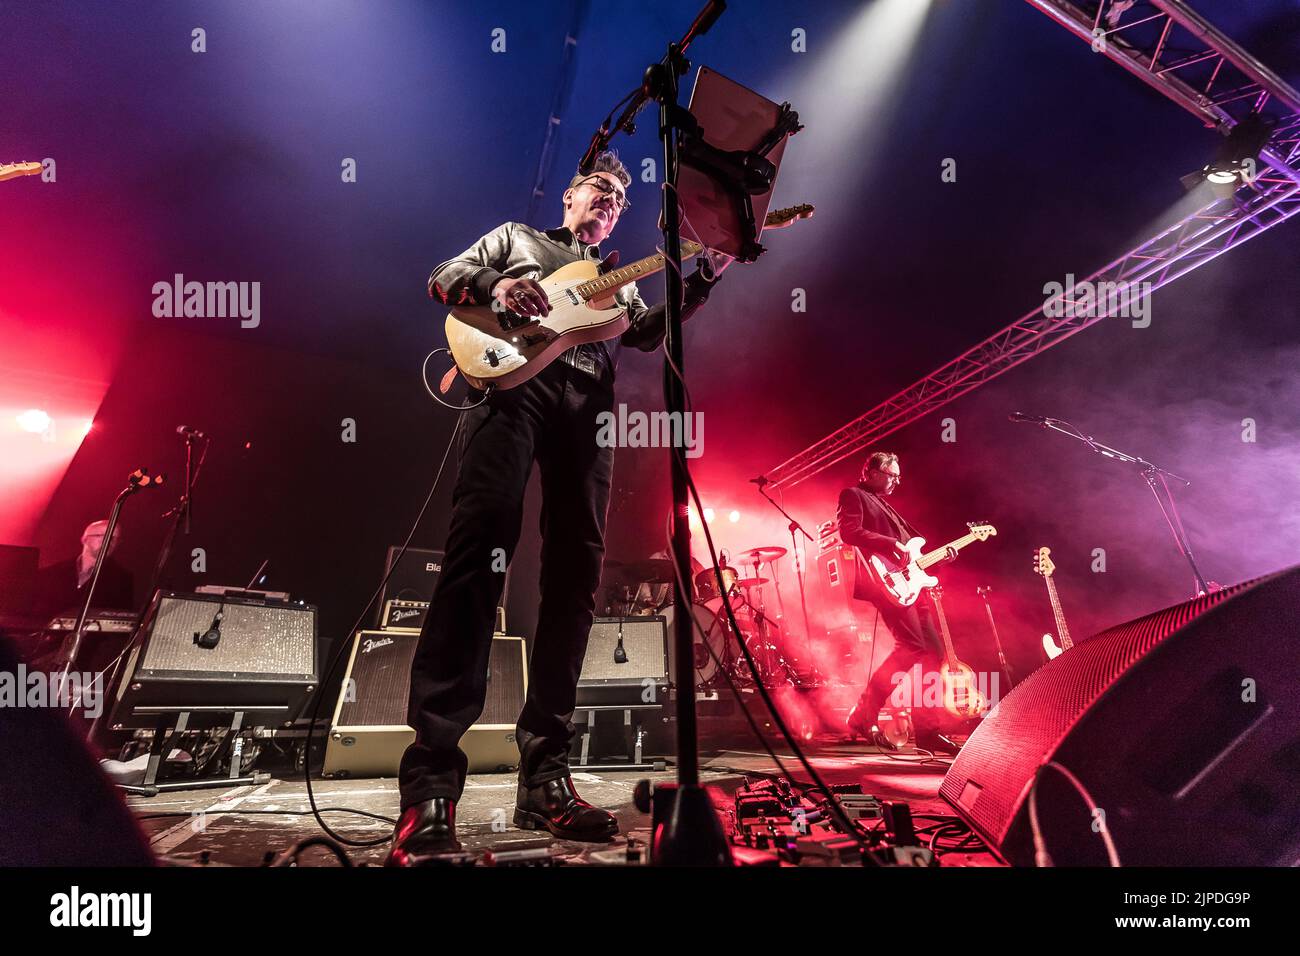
(903, 581)
(1043, 565)
(497, 347)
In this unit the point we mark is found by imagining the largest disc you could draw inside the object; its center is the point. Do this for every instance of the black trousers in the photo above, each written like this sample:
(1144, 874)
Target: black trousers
(552, 419)
(916, 639)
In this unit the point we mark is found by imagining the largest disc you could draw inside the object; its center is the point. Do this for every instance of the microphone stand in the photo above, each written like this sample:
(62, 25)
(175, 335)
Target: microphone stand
(135, 481)
(794, 526)
(687, 829)
(1155, 477)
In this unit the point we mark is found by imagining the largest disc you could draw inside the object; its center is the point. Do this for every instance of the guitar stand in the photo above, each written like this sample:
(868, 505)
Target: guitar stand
(165, 732)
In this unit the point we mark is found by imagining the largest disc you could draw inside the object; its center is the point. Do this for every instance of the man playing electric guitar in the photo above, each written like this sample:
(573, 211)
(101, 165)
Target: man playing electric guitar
(551, 418)
(868, 522)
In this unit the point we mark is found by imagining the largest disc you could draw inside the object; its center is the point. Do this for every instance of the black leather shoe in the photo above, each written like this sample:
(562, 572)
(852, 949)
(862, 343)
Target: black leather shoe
(424, 830)
(859, 725)
(556, 806)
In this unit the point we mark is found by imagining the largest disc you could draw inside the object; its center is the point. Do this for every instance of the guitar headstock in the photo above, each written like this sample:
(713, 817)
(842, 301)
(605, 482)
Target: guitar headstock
(1043, 563)
(14, 170)
(784, 217)
(981, 529)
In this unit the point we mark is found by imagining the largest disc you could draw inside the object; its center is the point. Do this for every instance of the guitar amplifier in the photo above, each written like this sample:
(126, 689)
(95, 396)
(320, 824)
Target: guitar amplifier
(410, 615)
(626, 656)
(264, 662)
(414, 577)
(369, 731)
(404, 615)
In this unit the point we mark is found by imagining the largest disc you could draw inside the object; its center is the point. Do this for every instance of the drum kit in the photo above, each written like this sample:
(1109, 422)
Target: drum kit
(645, 588)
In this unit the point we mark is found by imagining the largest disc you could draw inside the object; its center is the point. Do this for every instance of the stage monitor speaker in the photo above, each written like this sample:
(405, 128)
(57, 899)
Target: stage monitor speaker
(263, 662)
(1183, 726)
(625, 656)
(56, 807)
(369, 731)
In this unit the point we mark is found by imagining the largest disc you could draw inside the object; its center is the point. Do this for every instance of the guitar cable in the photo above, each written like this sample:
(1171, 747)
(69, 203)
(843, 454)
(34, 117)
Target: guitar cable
(346, 646)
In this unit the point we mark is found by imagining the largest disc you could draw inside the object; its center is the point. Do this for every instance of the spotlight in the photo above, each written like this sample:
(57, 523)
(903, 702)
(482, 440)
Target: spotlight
(1236, 161)
(34, 420)
(734, 516)
(708, 515)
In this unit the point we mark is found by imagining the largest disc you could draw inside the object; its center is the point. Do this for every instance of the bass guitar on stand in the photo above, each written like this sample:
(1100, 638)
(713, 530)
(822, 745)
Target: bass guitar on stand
(1043, 565)
(961, 696)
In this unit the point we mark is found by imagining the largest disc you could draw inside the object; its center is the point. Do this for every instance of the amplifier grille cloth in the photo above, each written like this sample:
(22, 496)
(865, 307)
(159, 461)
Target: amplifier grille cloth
(643, 643)
(254, 639)
(382, 676)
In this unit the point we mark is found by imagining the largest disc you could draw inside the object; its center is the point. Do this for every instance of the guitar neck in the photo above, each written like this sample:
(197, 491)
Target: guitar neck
(605, 284)
(939, 554)
(1062, 631)
(950, 654)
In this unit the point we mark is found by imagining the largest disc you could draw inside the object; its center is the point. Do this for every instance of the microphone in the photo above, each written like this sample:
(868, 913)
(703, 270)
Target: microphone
(620, 653)
(1031, 419)
(212, 636)
(761, 480)
(189, 432)
(598, 140)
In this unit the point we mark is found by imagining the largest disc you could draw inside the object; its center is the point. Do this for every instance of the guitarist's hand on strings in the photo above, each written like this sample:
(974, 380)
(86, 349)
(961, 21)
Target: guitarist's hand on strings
(521, 296)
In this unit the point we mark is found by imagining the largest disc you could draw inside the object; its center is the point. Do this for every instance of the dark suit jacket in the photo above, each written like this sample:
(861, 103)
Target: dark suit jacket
(866, 525)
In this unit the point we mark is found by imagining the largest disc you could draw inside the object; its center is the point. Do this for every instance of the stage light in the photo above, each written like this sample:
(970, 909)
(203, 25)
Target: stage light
(708, 515)
(87, 427)
(34, 420)
(1236, 162)
(734, 516)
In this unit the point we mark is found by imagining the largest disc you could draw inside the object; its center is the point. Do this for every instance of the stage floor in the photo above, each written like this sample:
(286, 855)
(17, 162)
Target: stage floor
(209, 825)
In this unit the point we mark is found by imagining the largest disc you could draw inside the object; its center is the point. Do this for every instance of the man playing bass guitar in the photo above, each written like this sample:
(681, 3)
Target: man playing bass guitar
(869, 523)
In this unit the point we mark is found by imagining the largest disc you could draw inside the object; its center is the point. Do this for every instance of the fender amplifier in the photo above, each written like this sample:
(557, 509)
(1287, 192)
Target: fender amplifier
(626, 662)
(369, 731)
(262, 661)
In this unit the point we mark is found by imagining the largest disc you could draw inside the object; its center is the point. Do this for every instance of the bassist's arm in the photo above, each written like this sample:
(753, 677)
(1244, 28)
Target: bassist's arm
(850, 518)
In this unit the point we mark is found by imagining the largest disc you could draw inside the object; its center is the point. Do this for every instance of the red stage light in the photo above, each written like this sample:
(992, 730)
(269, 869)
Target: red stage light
(34, 420)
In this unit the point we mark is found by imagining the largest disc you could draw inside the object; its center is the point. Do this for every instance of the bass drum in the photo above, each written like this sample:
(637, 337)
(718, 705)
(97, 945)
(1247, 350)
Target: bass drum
(708, 640)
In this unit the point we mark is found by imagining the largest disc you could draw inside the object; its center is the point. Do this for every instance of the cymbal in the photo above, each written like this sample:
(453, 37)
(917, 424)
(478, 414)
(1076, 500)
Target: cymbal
(769, 553)
(750, 582)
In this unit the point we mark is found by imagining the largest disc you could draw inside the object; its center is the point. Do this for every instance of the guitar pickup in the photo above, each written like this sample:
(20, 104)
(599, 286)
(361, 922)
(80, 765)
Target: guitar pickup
(492, 358)
(510, 321)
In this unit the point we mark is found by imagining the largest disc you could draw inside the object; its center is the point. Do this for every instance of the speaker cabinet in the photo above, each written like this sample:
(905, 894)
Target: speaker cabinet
(1184, 726)
(56, 806)
(369, 731)
(625, 656)
(264, 663)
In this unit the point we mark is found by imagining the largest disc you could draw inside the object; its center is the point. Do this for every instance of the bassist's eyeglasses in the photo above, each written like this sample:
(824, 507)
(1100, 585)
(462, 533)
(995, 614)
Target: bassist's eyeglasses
(605, 186)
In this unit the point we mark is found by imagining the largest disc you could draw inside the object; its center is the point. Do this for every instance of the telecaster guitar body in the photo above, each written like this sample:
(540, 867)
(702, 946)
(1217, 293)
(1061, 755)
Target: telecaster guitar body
(489, 354)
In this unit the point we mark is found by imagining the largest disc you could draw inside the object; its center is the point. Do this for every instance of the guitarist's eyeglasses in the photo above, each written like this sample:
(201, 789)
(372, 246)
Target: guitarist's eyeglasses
(605, 186)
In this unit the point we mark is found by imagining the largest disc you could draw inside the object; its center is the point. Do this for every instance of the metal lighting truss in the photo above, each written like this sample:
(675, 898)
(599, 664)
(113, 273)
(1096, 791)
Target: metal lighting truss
(1173, 49)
